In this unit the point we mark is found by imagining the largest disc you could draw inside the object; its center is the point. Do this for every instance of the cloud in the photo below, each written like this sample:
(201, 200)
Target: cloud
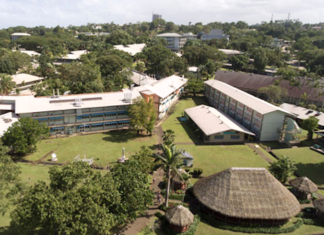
(77, 12)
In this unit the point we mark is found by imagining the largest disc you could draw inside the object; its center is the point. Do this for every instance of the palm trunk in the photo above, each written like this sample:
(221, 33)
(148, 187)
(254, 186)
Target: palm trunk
(168, 188)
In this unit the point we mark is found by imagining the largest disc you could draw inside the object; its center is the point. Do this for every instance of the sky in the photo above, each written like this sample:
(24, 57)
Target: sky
(51, 13)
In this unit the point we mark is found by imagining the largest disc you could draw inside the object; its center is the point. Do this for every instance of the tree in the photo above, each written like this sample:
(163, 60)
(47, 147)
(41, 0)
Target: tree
(9, 178)
(260, 60)
(195, 85)
(78, 200)
(24, 134)
(238, 62)
(283, 169)
(274, 93)
(310, 124)
(142, 114)
(168, 137)
(6, 84)
(170, 160)
(144, 158)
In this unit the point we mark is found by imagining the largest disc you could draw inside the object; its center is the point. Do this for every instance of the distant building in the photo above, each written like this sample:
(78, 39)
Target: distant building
(214, 34)
(16, 36)
(140, 79)
(276, 42)
(6, 121)
(156, 16)
(70, 57)
(189, 36)
(175, 41)
(25, 81)
(132, 49)
(230, 53)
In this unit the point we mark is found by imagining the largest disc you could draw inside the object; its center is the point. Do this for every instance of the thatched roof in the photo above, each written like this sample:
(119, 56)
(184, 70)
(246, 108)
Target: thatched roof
(247, 193)
(179, 216)
(304, 184)
(319, 204)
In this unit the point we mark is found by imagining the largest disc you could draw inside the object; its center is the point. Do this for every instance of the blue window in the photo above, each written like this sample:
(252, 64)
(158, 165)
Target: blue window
(97, 114)
(57, 128)
(218, 137)
(55, 118)
(111, 113)
(83, 116)
(235, 137)
(41, 119)
(122, 113)
(110, 123)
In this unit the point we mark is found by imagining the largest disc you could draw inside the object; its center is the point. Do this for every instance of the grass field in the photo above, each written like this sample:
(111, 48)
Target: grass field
(182, 131)
(105, 147)
(308, 162)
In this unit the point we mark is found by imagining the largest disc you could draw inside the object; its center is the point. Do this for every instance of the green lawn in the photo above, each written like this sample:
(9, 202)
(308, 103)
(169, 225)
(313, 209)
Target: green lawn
(106, 147)
(308, 162)
(182, 131)
(30, 174)
(215, 158)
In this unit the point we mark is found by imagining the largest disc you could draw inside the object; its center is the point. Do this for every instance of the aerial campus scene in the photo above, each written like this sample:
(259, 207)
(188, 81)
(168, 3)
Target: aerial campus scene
(201, 118)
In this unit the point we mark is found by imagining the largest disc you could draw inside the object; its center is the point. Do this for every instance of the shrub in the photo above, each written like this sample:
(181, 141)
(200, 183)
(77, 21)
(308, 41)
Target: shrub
(158, 214)
(304, 201)
(197, 171)
(162, 207)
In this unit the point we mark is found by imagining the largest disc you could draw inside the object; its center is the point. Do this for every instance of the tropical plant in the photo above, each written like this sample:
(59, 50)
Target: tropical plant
(168, 137)
(283, 169)
(6, 84)
(310, 124)
(170, 158)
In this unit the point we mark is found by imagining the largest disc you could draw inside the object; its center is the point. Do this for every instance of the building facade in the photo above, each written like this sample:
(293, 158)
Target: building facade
(266, 121)
(175, 41)
(74, 114)
(16, 36)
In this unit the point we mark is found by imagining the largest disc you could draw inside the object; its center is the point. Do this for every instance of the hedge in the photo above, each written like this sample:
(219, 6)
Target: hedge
(254, 229)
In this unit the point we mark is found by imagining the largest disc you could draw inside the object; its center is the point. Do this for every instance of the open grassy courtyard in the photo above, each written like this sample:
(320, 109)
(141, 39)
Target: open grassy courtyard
(308, 162)
(105, 148)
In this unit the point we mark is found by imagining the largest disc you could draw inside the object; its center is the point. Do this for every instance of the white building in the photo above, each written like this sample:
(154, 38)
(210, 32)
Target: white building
(25, 81)
(6, 121)
(175, 41)
(164, 92)
(266, 121)
(189, 36)
(16, 36)
(132, 49)
(72, 56)
(214, 34)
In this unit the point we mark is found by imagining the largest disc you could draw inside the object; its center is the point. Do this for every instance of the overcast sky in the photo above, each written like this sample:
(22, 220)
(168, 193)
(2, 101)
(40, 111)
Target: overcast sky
(80, 12)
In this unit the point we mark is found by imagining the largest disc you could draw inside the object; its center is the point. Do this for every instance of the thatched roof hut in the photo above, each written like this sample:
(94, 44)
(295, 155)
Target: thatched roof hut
(304, 184)
(319, 206)
(303, 187)
(251, 195)
(179, 218)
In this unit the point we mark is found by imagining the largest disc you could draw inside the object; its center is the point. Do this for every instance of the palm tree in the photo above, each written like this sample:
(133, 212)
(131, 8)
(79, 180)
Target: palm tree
(168, 137)
(6, 84)
(170, 159)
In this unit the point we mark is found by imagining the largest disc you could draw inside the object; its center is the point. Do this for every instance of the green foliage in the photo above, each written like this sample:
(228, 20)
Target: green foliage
(9, 178)
(310, 124)
(6, 84)
(200, 54)
(195, 86)
(143, 157)
(283, 169)
(158, 214)
(198, 171)
(239, 61)
(11, 61)
(251, 229)
(23, 136)
(274, 93)
(119, 37)
(168, 137)
(260, 59)
(142, 114)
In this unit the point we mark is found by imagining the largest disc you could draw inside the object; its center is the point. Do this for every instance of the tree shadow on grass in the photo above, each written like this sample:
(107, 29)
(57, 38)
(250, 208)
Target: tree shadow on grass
(314, 171)
(7, 230)
(189, 130)
(122, 136)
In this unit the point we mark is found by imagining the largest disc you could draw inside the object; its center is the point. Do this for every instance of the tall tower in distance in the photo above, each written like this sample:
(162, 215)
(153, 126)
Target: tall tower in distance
(156, 16)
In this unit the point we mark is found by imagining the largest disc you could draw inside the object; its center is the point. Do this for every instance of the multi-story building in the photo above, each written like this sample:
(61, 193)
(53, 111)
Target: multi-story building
(16, 36)
(175, 41)
(72, 114)
(266, 121)
(156, 16)
(25, 81)
(164, 92)
(214, 34)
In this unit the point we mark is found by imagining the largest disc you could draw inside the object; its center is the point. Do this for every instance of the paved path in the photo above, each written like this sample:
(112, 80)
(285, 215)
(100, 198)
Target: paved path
(141, 222)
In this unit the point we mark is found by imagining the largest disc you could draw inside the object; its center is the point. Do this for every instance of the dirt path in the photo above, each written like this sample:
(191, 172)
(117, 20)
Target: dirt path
(141, 222)
(259, 152)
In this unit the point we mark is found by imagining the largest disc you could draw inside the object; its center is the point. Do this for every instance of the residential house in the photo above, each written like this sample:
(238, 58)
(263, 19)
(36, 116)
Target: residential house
(214, 34)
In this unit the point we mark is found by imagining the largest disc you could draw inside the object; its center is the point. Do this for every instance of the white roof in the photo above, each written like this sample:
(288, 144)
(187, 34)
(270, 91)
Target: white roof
(30, 53)
(303, 113)
(230, 52)
(23, 77)
(164, 87)
(31, 104)
(75, 55)
(132, 49)
(20, 34)
(248, 100)
(171, 35)
(211, 121)
(141, 79)
(193, 69)
(6, 120)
